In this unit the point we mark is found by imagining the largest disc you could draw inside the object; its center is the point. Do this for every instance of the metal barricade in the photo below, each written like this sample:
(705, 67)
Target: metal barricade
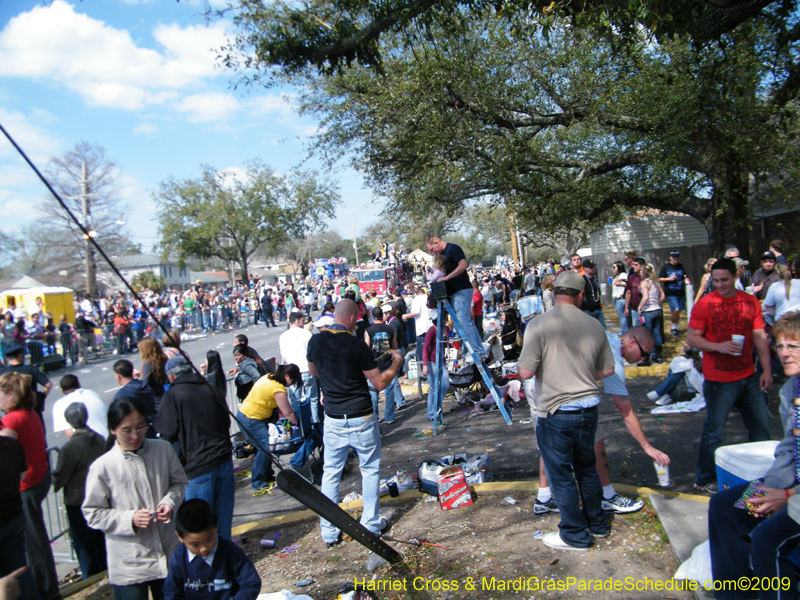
(55, 517)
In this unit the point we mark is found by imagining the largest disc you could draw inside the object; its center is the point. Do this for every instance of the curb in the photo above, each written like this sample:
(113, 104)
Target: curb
(651, 371)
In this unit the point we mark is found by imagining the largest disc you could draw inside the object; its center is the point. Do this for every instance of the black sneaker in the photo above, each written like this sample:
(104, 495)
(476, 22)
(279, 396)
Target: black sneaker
(708, 488)
(334, 543)
(645, 363)
(544, 508)
(675, 333)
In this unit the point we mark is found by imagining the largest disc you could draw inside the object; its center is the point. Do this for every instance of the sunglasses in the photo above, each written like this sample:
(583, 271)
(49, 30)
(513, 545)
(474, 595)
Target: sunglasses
(642, 353)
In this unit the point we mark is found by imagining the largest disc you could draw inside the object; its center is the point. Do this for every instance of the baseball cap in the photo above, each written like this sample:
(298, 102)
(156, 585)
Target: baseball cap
(325, 321)
(386, 308)
(404, 292)
(570, 280)
(175, 361)
(674, 253)
(588, 264)
(768, 254)
(740, 262)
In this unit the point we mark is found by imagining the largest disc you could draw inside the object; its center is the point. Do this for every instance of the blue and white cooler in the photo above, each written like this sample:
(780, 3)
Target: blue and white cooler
(743, 463)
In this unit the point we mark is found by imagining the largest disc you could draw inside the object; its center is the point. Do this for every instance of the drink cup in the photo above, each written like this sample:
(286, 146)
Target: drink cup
(662, 472)
(739, 339)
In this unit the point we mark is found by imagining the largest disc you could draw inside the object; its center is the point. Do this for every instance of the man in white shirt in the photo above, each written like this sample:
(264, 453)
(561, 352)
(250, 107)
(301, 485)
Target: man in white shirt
(293, 344)
(73, 392)
(419, 312)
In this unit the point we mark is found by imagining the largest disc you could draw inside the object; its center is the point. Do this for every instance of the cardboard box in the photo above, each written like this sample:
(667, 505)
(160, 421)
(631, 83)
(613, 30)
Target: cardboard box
(453, 489)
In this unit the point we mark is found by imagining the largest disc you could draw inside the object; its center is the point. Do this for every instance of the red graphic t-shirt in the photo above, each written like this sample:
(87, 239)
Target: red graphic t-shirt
(722, 318)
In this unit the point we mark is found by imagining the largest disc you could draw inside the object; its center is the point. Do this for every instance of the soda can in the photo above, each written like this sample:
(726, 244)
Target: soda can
(265, 543)
(393, 491)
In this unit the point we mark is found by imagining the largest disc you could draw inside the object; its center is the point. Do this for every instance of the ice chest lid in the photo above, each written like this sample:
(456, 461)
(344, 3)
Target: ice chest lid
(794, 508)
(747, 461)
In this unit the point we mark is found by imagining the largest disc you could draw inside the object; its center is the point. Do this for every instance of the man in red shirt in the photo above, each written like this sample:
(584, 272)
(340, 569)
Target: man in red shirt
(730, 377)
(477, 307)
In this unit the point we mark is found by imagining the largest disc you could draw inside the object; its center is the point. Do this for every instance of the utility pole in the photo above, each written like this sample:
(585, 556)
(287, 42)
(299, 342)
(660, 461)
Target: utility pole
(355, 245)
(91, 271)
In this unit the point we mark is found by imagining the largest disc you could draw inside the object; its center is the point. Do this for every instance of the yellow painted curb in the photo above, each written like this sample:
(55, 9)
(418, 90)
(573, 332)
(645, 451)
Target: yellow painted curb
(651, 371)
(494, 487)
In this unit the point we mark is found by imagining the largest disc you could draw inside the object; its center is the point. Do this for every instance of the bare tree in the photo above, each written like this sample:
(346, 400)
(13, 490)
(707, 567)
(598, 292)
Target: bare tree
(87, 181)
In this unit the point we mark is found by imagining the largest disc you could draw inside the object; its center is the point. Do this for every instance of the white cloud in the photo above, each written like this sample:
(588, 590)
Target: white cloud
(212, 106)
(104, 64)
(146, 129)
(36, 143)
(15, 208)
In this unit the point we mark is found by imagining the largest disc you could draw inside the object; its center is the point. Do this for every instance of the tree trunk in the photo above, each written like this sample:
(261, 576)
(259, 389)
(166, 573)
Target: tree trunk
(729, 222)
(243, 263)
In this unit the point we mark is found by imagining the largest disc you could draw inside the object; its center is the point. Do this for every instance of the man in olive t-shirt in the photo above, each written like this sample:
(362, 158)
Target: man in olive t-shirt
(568, 351)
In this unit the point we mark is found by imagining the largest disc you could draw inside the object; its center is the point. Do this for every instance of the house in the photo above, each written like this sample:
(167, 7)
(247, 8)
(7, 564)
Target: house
(131, 265)
(652, 237)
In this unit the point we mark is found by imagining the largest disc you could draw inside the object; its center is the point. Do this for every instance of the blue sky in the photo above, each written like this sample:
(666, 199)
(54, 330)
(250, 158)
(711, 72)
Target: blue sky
(141, 79)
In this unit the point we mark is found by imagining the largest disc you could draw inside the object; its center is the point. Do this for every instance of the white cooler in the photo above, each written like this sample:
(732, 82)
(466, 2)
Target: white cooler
(743, 462)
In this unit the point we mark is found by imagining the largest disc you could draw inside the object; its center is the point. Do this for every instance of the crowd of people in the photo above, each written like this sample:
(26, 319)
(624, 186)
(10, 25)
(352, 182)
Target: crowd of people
(158, 460)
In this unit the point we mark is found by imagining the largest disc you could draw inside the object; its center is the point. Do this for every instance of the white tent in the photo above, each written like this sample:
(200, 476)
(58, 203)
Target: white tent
(419, 255)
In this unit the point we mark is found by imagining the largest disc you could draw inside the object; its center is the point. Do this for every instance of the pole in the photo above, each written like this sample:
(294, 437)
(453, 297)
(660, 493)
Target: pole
(91, 285)
(513, 238)
(355, 244)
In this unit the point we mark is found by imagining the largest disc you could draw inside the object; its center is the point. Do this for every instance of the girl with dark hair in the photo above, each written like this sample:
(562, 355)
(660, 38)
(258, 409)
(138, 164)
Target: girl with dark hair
(213, 372)
(259, 410)
(84, 447)
(131, 493)
(246, 370)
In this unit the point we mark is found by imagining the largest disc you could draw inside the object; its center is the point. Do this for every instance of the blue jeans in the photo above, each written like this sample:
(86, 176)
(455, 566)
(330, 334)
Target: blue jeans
(597, 314)
(462, 303)
(672, 381)
(139, 591)
(258, 430)
(677, 302)
(420, 344)
(566, 442)
(433, 377)
(623, 320)
(311, 393)
(654, 321)
(747, 546)
(721, 397)
(634, 315)
(89, 544)
(12, 556)
(393, 395)
(361, 434)
(217, 488)
(411, 331)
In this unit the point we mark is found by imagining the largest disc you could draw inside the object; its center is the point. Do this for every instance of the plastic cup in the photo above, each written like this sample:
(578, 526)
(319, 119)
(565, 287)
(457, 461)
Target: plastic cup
(739, 339)
(662, 472)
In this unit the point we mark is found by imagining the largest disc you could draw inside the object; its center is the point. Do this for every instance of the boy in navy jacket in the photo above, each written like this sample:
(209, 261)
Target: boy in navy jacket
(207, 566)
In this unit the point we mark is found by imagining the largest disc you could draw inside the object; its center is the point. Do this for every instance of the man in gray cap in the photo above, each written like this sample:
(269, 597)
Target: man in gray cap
(192, 415)
(568, 351)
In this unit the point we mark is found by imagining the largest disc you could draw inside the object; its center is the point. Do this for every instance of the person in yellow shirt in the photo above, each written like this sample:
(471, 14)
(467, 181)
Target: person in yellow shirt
(259, 410)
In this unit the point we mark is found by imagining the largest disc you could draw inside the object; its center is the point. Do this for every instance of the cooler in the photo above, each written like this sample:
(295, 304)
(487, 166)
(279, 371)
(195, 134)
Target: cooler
(743, 462)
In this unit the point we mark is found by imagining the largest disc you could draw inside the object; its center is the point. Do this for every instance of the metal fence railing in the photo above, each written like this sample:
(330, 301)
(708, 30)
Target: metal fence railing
(55, 518)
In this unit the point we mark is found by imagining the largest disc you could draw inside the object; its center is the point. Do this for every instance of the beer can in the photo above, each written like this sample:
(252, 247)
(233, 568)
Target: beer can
(393, 491)
(265, 543)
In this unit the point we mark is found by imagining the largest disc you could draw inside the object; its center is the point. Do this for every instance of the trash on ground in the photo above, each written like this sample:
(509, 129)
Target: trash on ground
(510, 500)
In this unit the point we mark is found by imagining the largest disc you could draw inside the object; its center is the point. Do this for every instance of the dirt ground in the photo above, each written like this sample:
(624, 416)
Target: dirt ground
(490, 545)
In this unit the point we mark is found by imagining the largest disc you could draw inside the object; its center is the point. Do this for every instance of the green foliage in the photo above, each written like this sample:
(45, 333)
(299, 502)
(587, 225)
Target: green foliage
(149, 280)
(329, 36)
(567, 132)
(231, 215)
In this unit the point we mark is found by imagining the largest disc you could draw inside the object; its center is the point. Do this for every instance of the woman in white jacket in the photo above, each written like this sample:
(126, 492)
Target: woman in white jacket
(132, 492)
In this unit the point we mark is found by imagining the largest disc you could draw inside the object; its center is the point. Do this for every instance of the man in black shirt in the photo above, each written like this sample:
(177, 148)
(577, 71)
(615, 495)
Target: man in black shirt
(343, 363)
(673, 278)
(381, 338)
(592, 303)
(459, 289)
(16, 362)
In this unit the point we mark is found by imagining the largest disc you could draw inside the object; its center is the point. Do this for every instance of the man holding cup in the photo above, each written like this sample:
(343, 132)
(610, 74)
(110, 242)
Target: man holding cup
(726, 325)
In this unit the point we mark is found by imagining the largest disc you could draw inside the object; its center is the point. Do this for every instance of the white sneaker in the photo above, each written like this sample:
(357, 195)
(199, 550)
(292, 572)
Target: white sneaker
(652, 395)
(553, 540)
(665, 399)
